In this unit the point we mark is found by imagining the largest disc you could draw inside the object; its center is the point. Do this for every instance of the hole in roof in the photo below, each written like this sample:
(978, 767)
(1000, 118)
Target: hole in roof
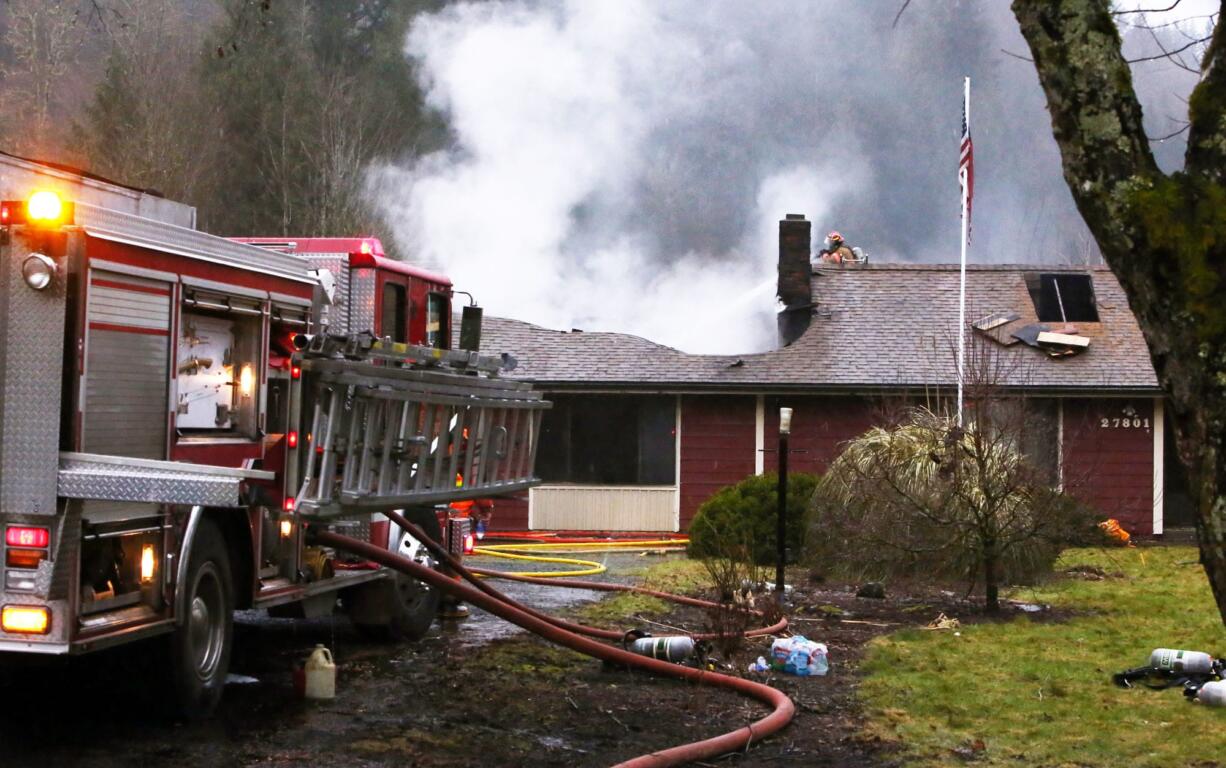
(1063, 297)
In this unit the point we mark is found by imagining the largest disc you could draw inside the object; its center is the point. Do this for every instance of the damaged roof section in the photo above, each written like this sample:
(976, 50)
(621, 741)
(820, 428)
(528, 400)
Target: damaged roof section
(1056, 301)
(880, 326)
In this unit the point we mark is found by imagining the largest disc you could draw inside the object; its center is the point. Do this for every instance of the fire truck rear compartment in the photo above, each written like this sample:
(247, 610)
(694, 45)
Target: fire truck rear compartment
(122, 564)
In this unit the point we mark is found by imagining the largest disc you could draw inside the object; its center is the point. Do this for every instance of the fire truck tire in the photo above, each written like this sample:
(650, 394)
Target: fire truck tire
(400, 607)
(200, 645)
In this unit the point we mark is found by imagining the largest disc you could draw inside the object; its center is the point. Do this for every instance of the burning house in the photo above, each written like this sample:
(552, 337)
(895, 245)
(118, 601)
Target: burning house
(641, 434)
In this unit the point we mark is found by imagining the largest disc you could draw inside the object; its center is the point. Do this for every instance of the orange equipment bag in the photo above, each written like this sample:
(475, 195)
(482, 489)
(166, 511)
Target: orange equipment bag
(1112, 529)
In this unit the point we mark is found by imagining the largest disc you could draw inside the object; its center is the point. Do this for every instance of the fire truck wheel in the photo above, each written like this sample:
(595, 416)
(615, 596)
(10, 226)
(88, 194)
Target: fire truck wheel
(200, 645)
(399, 607)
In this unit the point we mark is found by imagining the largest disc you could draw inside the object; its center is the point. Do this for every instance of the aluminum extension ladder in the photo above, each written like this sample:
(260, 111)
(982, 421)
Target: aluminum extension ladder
(389, 426)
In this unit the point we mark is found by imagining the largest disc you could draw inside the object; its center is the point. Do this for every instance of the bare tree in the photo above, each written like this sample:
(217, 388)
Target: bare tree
(148, 125)
(1163, 235)
(44, 39)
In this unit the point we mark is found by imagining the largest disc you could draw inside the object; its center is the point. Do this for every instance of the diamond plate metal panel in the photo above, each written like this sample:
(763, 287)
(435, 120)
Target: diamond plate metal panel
(147, 233)
(109, 485)
(361, 300)
(30, 382)
(338, 265)
(163, 482)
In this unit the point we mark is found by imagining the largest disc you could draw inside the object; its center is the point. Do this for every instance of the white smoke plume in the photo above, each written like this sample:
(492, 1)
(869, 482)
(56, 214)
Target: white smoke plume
(623, 164)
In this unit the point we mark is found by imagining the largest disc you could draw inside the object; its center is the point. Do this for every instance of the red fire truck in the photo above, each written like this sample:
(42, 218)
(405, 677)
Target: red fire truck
(180, 411)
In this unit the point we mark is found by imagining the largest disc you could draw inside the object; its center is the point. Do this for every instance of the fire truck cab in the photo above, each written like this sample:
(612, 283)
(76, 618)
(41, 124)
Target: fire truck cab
(155, 426)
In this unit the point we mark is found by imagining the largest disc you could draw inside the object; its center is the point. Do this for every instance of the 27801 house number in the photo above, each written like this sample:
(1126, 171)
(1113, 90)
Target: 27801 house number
(1123, 422)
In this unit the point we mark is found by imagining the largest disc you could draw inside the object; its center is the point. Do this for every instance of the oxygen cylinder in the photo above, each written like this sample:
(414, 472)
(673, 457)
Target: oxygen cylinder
(674, 648)
(1181, 662)
(1212, 694)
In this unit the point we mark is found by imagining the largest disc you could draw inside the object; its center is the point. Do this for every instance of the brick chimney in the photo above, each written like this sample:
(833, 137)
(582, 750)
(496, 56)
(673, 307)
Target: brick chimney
(795, 273)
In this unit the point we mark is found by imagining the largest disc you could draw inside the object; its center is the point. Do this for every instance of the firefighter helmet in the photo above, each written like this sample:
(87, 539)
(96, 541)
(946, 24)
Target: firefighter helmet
(833, 240)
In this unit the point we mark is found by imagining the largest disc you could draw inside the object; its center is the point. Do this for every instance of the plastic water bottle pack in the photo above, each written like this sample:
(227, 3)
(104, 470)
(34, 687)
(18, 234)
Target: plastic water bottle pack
(798, 655)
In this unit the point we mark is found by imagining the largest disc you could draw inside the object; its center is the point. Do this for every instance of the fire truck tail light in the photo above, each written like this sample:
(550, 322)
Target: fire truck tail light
(27, 619)
(292, 439)
(287, 528)
(295, 371)
(470, 542)
(24, 558)
(27, 537)
(289, 503)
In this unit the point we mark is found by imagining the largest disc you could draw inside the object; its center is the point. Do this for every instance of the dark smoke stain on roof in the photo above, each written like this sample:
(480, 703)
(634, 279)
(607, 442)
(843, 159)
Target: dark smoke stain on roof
(879, 326)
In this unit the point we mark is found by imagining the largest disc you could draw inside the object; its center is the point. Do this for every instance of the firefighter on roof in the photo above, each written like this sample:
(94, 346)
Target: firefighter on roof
(836, 251)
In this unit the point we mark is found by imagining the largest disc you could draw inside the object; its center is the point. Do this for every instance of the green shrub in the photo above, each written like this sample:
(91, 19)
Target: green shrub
(741, 519)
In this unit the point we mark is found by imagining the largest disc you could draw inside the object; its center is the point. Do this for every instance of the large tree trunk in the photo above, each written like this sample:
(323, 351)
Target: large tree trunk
(1163, 236)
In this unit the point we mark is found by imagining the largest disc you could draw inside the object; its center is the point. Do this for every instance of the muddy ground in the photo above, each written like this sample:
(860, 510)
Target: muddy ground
(475, 693)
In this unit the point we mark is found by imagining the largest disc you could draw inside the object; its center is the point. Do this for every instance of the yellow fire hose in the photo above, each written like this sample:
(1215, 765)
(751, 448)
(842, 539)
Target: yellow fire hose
(587, 567)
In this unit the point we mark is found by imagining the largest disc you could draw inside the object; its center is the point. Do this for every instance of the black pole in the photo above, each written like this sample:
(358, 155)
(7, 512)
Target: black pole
(781, 532)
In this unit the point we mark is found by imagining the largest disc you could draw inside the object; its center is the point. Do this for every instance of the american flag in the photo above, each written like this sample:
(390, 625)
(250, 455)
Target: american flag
(966, 163)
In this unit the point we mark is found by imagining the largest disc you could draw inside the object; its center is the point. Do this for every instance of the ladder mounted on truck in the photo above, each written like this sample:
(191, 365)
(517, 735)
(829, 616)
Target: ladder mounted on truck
(390, 425)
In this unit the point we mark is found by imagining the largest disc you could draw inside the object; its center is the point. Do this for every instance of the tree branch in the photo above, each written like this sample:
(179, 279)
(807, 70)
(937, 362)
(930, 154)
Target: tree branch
(901, 11)
(1170, 7)
(1170, 54)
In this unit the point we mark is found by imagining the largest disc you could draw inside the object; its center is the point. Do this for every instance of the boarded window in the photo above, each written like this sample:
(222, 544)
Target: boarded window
(1063, 297)
(609, 440)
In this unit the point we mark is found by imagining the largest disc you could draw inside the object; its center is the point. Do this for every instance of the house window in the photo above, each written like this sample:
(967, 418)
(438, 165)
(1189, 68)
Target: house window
(609, 440)
(1063, 297)
(394, 321)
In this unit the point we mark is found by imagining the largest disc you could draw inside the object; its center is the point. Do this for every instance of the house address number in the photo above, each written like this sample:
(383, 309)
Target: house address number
(1123, 422)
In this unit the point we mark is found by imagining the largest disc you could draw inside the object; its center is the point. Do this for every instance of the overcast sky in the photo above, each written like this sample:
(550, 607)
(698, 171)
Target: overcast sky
(622, 164)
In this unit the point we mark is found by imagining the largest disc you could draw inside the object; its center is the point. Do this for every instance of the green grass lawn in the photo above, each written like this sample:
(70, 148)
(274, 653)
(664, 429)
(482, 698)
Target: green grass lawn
(675, 573)
(1040, 692)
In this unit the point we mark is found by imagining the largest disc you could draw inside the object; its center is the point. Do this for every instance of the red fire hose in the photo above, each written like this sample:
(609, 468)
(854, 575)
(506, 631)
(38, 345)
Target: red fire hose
(500, 605)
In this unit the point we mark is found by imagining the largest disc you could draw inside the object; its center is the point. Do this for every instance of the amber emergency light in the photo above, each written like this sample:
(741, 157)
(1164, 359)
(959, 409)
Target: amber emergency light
(25, 619)
(44, 208)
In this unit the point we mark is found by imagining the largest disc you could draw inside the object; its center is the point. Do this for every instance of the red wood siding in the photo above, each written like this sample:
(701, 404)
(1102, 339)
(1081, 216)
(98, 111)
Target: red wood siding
(820, 426)
(1112, 467)
(717, 447)
(510, 514)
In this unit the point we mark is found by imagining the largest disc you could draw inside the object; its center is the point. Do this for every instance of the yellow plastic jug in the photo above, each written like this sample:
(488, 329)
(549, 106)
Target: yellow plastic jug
(320, 674)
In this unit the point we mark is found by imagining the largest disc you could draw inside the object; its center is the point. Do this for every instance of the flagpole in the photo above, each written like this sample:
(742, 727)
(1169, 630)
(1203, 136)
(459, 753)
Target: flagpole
(966, 95)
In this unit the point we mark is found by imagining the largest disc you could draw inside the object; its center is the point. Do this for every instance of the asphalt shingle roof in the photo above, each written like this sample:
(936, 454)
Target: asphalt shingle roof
(874, 326)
